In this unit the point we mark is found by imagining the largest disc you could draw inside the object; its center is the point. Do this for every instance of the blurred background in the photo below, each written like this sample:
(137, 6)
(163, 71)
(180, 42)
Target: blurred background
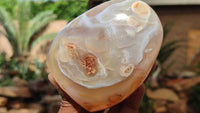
(27, 28)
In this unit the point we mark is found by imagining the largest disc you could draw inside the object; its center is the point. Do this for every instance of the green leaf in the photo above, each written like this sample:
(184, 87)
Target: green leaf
(38, 22)
(167, 50)
(164, 70)
(194, 98)
(23, 17)
(168, 45)
(42, 38)
(146, 105)
(166, 29)
(163, 57)
(6, 82)
(8, 25)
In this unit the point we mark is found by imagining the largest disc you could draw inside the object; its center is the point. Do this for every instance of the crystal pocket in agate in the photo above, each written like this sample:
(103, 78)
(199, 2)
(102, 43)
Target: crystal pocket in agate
(104, 55)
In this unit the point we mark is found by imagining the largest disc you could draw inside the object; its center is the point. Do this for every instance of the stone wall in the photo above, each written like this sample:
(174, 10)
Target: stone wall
(185, 19)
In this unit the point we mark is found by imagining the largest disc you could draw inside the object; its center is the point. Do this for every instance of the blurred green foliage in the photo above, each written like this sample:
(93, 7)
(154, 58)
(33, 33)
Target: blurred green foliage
(147, 103)
(198, 67)
(9, 5)
(20, 31)
(168, 49)
(18, 68)
(64, 9)
(194, 98)
(5, 80)
(40, 69)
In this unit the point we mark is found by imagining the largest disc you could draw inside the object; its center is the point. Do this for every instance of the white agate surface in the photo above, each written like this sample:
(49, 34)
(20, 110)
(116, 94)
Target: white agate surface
(112, 41)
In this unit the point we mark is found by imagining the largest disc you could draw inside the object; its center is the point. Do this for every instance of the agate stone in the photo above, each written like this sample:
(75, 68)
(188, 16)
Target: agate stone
(105, 54)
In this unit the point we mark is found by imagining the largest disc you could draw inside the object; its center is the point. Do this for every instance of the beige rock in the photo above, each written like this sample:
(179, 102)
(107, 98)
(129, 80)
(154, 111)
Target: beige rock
(55, 26)
(23, 111)
(3, 101)
(13, 91)
(160, 103)
(183, 84)
(51, 99)
(19, 82)
(3, 110)
(163, 94)
(178, 107)
(42, 57)
(174, 83)
(161, 109)
(160, 106)
(17, 104)
(37, 107)
(40, 50)
(183, 95)
(54, 107)
(187, 74)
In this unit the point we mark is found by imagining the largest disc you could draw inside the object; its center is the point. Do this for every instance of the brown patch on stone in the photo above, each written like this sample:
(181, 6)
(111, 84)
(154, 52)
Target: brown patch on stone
(88, 106)
(89, 63)
(72, 50)
(3, 101)
(115, 98)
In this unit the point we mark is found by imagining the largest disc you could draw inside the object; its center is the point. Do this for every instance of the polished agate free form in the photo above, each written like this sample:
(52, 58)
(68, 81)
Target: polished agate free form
(105, 54)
